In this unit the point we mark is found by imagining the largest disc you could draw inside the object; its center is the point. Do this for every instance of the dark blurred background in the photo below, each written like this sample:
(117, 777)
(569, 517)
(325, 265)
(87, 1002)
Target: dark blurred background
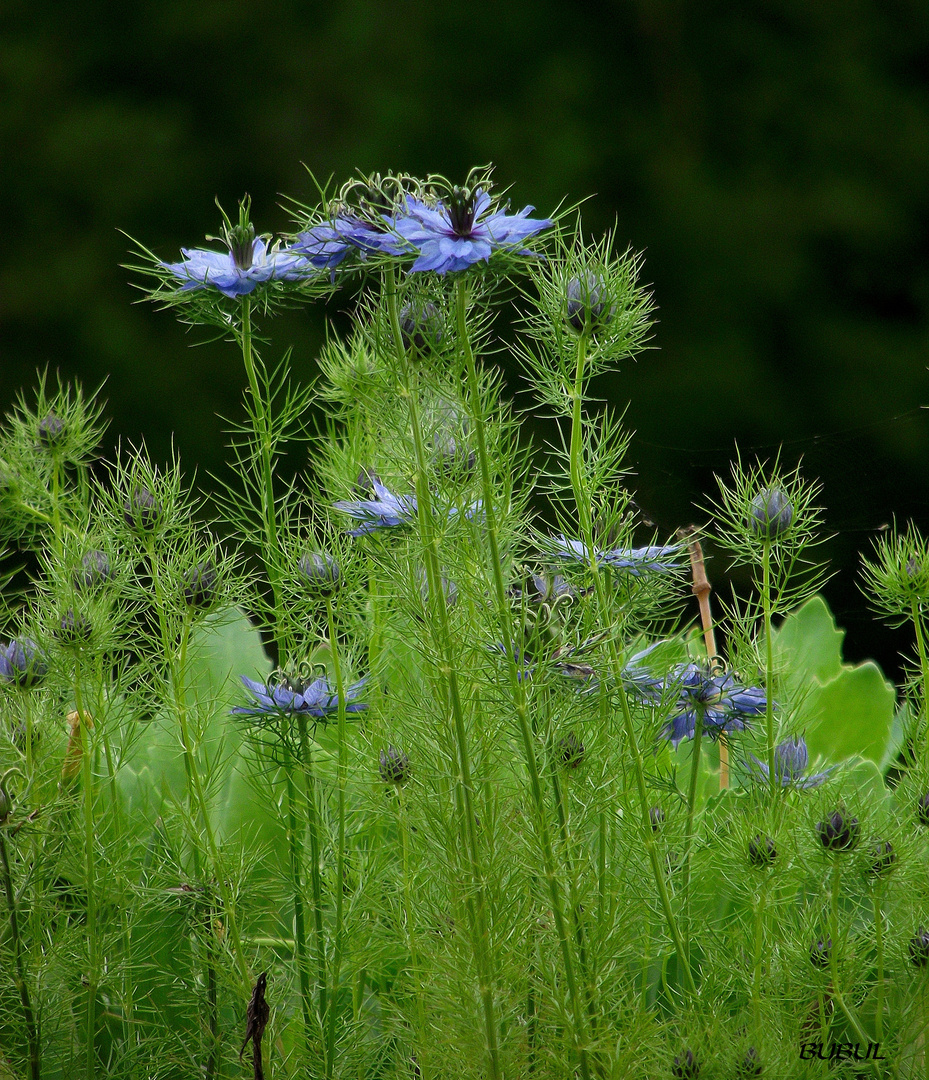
(770, 158)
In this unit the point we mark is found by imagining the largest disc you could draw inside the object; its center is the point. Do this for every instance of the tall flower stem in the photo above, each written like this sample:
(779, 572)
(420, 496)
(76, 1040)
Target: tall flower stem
(689, 826)
(585, 523)
(769, 665)
(84, 726)
(517, 688)
(342, 780)
(879, 949)
(917, 618)
(19, 975)
(476, 900)
(850, 1013)
(262, 422)
(198, 808)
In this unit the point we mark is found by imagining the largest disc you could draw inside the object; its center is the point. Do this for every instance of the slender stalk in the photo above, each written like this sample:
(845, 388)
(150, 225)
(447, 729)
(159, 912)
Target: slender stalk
(312, 814)
(84, 726)
(769, 666)
(517, 688)
(689, 827)
(833, 955)
(19, 975)
(924, 669)
(342, 780)
(879, 947)
(581, 499)
(702, 590)
(475, 902)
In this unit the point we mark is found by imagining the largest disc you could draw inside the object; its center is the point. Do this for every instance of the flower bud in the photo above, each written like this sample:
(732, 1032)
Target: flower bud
(320, 573)
(882, 856)
(820, 952)
(95, 569)
(838, 832)
(586, 307)
(394, 766)
(421, 326)
(922, 809)
(364, 484)
(791, 758)
(22, 663)
(51, 431)
(749, 1065)
(919, 947)
(656, 818)
(571, 750)
(685, 1066)
(200, 584)
(771, 513)
(452, 455)
(761, 851)
(73, 629)
(142, 511)
(6, 806)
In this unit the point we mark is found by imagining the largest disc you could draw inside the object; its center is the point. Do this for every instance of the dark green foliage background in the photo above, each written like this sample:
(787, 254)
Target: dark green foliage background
(771, 158)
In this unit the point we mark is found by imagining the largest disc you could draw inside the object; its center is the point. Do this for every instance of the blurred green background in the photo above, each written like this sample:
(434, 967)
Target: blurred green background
(770, 158)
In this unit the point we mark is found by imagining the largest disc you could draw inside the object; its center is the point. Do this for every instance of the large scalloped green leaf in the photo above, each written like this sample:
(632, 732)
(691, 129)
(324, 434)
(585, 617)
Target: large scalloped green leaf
(846, 709)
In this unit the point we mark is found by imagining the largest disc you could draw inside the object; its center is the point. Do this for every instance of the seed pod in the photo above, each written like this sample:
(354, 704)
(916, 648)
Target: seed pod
(771, 513)
(761, 851)
(6, 806)
(586, 306)
(749, 1065)
(685, 1066)
(22, 663)
(142, 511)
(73, 629)
(571, 750)
(421, 326)
(394, 766)
(882, 856)
(320, 573)
(200, 584)
(820, 952)
(838, 832)
(919, 947)
(922, 809)
(95, 569)
(51, 431)
(656, 818)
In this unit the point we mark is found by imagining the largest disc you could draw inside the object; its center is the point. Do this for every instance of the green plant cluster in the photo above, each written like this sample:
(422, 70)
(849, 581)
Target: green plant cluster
(499, 806)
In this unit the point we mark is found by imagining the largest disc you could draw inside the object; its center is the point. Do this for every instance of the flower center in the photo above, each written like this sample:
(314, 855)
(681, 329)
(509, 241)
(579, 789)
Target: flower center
(461, 205)
(242, 245)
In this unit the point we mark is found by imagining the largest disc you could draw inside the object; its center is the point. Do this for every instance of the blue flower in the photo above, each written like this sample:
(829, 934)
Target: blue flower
(326, 245)
(23, 663)
(463, 230)
(385, 512)
(388, 510)
(637, 561)
(791, 758)
(690, 690)
(316, 699)
(248, 263)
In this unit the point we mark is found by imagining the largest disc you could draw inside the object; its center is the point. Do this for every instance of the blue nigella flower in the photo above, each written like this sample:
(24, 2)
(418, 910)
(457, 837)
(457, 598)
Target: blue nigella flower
(388, 510)
(317, 699)
(463, 229)
(248, 263)
(726, 705)
(636, 561)
(22, 663)
(791, 758)
(325, 245)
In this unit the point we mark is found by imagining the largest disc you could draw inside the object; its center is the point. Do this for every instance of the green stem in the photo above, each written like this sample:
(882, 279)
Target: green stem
(769, 667)
(475, 901)
(924, 668)
(294, 851)
(585, 523)
(879, 945)
(315, 879)
(19, 977)
(833, 955)
(342, 780)
(689, 828)
(90, 835)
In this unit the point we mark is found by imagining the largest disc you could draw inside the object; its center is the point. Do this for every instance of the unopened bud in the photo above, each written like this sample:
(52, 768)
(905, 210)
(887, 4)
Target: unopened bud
(51, 431)
(320, 573)
(922, 809)
(73, 629)
(95, 569)
(919, 947)
(586, 306)
(571, 750)
(820, 952)
(761, 851)
(200, 584)
(421, 326)
(838, 832)
(22, 663)
(685, 1066)
(142, 511)
(394, 766)
(882, 856)
(771, 513)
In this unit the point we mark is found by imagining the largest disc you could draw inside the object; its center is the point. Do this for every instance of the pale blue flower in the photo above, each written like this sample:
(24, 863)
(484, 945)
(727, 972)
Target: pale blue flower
(325, 245)
(388, 511)
(636, 561)
(463, 230)
(317, 699)
(23, 663)
(240, 270)
(791, 758)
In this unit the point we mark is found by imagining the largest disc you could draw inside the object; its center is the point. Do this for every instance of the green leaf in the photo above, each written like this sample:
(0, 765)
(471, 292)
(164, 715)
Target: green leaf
(809, 643)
